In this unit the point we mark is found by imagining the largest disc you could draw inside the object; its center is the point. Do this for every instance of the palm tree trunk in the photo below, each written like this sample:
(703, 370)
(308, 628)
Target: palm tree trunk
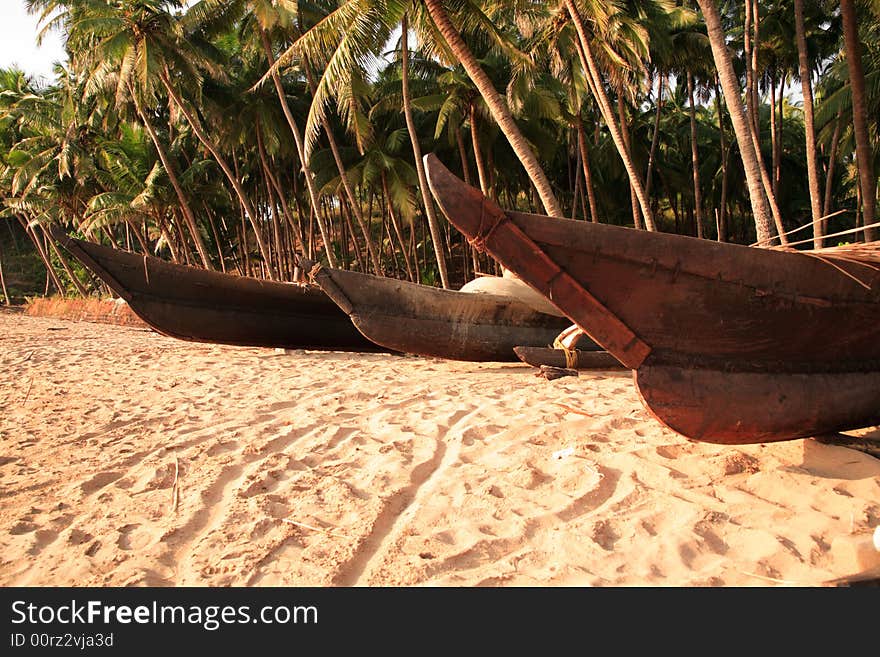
(576, 173)
(744, 136)
(588, 175)
(131, 225)
(462, 154)
(247, 206)
(427, 202)
(655, 136)
(394, 223)
(6, 300)
(775, 136)
(270, 201)
(65, 265)
(497, 106)
(753, 65)
(353, 202)
(624, 131)
(809, 130)
(478, 155)
(595, 82)
(50, 272)
(695, 158)
(725, 154)
(860, 115)
(175, 183)
(300, 149)
(829, 174)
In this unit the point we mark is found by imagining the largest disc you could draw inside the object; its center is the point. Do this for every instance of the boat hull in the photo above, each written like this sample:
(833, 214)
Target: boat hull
(198, 305)
(428, 321)
(756, 407)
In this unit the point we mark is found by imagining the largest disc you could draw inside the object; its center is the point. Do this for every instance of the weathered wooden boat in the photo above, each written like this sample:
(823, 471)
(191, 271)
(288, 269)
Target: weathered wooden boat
(574, 359)
(206, 306)
(728, 343)
(428, 321)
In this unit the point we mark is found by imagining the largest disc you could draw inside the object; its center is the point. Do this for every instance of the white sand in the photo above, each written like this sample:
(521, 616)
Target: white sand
(398, 470)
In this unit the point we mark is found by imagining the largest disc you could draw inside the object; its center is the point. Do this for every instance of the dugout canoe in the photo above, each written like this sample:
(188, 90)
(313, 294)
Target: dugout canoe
(728, 343)
(198, 305)
(429, 321)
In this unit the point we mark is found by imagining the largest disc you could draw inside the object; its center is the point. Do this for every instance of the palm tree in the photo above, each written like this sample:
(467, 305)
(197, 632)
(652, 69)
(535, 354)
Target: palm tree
(267, 16)
(497, 106)
(594, 78)
(433, 223)
(120, 58)
(867, 179)
(744, 136)
(809, 129)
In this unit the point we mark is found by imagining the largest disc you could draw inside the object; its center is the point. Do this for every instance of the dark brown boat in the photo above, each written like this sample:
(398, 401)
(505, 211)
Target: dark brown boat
(428, 321)
(728, 343)
(573, 359)
(206, 306)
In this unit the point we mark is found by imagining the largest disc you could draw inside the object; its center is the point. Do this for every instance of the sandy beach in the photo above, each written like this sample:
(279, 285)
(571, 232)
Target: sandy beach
(130, 458)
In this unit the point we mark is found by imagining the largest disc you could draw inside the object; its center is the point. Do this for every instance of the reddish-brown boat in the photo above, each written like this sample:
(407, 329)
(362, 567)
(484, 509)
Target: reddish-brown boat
(728, 343)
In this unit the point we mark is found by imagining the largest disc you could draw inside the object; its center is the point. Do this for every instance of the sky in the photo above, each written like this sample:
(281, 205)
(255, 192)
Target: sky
(18, 42)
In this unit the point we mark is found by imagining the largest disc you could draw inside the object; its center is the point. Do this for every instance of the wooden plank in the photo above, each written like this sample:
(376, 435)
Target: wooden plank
(577, 359)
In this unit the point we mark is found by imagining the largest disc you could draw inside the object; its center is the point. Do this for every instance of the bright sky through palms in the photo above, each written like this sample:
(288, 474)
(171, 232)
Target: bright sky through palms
(18, 42)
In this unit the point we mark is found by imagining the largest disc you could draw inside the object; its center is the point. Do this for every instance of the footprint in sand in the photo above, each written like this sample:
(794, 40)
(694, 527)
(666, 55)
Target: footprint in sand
(604, 535)
(222, 448)
(23, 527)
(133, 537)
(99, 481)
(43, 538)
(670, 451)
(78, 537)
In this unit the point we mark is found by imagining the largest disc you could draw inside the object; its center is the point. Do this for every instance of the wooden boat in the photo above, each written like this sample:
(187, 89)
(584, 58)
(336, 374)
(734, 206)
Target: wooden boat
(728, 343)
(206, 306)
(575, 359)
(428, 321)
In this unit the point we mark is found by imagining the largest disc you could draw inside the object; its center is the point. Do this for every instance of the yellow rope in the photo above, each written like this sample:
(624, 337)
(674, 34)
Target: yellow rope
(571, 357)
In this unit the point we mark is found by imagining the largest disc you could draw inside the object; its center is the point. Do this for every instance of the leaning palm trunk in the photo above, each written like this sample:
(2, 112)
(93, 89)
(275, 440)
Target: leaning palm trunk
(396, 225)
(497, 106)
(50, 271)
(588, 176)
(809, 130)
(860, 115)
(624, 131)
(300, 150)
(353, 201)
(64, 264)
(733, 99)
(478, 155)
(175, 183)
(655, 136)
(430, 213)
(832, 157)
(695, 158)
(595, 82)
(725, 153)
(246, 205)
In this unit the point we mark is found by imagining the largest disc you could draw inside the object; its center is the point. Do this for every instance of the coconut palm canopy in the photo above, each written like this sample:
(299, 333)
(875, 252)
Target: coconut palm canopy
(244, 135)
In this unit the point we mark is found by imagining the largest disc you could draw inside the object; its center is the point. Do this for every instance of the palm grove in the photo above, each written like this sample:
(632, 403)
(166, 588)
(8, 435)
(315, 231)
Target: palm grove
(242, 135)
